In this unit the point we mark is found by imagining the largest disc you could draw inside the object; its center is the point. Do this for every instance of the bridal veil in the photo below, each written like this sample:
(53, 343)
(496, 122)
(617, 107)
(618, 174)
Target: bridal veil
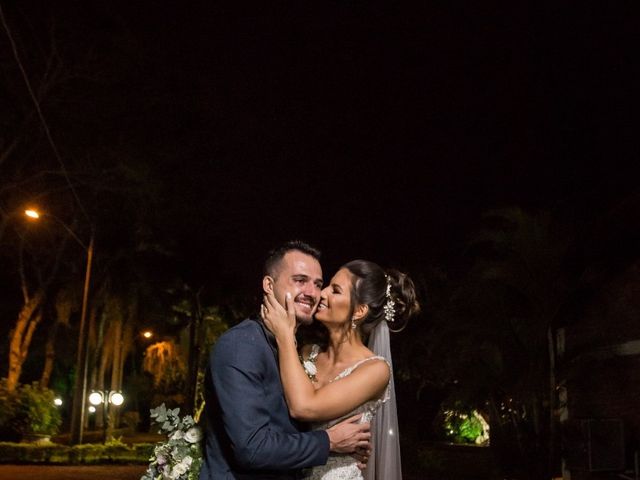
(384, 462)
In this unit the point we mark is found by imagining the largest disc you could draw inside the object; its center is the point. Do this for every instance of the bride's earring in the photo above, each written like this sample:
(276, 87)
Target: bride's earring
(353, 324)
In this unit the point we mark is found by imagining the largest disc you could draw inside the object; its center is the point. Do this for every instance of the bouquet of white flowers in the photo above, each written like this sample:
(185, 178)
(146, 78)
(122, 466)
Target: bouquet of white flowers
(180, 457)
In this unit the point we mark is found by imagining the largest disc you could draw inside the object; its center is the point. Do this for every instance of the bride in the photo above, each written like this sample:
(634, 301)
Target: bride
(345, 378)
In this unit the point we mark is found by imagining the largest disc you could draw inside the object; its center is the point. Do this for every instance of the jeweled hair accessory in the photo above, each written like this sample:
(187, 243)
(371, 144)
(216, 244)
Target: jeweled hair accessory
(389, 307)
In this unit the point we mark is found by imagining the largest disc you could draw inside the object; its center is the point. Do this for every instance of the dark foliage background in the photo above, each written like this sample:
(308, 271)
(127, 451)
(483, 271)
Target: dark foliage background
(199, 135)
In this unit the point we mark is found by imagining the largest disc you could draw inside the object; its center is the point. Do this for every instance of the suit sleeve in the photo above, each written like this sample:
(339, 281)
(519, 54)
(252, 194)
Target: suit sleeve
(238, 377)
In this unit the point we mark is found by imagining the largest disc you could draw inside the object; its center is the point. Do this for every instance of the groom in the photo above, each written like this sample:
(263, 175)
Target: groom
(249, 433)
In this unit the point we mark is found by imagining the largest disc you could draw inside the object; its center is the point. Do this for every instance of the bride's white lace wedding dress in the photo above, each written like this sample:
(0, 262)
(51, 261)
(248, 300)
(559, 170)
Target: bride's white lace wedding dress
(343, 466)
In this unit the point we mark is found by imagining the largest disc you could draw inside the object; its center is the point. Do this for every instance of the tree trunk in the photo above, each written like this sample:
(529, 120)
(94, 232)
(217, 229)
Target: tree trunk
(117, 352)
(21, 336)
(49, 356)
(96, 341)
(127, 347)
(89, 346)
(64, 306)
(105, 358)
(115, 374)
(554, 460)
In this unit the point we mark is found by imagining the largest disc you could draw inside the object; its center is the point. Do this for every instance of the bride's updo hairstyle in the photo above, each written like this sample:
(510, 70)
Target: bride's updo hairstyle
(390, 295)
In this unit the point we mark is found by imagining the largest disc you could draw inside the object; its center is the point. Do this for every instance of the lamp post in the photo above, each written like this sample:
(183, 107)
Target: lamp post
(80, 385)
(106, 397)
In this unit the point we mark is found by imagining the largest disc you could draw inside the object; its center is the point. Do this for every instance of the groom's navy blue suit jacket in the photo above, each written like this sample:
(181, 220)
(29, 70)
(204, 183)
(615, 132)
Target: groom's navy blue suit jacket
(249, 433)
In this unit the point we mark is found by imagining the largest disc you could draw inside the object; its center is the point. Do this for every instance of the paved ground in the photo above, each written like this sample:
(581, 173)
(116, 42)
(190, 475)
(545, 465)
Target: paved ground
(129, 472)
(50, 472)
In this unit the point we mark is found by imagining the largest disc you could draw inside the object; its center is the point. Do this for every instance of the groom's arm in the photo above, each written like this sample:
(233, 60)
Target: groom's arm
(238, 376)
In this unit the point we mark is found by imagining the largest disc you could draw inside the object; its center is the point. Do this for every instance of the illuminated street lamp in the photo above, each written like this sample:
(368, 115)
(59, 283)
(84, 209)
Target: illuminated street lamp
(147, 334)
(80, 386)
(105, 398)
(57, 402)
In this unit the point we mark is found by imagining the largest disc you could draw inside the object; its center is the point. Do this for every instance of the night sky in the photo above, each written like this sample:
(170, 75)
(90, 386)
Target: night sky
(371, 129)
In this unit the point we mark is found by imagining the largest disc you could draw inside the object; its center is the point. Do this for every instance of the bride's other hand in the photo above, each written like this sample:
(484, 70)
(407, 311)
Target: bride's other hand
(278, 319)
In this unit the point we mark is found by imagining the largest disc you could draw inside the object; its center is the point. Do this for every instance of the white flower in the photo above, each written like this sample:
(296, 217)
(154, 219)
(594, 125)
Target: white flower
(179, 469)
(193, 435)
(310, 367)
(183, 437)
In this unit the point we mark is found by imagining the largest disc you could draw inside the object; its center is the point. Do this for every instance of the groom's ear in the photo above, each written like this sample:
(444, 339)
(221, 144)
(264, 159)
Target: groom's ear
(267, 284)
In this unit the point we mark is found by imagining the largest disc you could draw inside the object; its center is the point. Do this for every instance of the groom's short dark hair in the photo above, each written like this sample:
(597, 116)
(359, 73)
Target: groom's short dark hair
(277, 254)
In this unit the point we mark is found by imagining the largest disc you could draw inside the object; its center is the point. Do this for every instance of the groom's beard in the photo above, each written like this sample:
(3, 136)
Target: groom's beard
(304, 318)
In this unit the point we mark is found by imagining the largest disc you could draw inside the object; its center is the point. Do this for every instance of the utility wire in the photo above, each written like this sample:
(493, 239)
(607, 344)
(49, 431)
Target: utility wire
(40, 114)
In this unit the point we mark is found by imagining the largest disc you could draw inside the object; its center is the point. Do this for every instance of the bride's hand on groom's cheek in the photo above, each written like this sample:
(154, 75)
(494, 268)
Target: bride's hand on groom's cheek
(277, 318)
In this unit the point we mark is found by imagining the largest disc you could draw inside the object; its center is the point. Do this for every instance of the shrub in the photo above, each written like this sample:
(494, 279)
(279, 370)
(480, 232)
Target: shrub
(8, 402)
(459, 423)
(35, 412)
(85, 454)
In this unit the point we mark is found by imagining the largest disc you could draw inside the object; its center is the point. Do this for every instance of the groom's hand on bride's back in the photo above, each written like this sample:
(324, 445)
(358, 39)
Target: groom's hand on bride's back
(362, 455)
(349, 435)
